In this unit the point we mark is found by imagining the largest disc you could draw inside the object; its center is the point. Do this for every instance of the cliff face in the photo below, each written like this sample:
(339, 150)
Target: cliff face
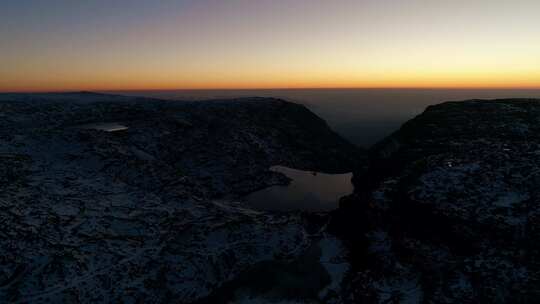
(112, 199)
(448, 209)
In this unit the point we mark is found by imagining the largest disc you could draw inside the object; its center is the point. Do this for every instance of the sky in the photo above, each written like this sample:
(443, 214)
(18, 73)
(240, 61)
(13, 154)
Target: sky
(63, 45)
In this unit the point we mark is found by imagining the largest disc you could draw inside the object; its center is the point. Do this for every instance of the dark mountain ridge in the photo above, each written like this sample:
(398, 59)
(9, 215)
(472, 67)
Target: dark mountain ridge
(447, 210)
(109, 198)
(115, 199)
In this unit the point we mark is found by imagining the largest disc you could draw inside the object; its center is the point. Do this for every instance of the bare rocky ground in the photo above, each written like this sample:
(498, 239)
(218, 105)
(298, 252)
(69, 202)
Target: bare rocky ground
(153, 213)
(448, 210)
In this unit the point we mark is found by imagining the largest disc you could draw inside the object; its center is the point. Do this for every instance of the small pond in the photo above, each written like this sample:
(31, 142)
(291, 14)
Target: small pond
(310, 191)
(105, 126)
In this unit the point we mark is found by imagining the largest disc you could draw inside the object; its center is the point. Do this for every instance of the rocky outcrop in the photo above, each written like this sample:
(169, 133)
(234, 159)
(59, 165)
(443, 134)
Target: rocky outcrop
(147, 210)
(106, 198)
(448, 209)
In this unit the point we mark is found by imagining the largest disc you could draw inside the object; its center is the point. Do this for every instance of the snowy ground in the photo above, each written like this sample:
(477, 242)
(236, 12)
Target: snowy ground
(150, 211)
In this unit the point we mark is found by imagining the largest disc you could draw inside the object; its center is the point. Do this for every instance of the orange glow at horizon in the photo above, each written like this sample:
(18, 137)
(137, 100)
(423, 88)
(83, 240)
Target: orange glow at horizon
(466, 80)
(267, 44)
(97, 88)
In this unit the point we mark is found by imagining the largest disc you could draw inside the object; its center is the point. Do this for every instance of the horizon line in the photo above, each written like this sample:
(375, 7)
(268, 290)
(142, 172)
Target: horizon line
(98, 90)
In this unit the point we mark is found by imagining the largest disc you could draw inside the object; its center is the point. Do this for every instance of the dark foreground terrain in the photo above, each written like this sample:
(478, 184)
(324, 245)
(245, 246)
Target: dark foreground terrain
(95, 212)
(448, 210)
(117, 199)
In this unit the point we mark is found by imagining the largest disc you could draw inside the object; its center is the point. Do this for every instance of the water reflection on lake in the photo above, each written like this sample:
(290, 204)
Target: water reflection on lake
(308, 190)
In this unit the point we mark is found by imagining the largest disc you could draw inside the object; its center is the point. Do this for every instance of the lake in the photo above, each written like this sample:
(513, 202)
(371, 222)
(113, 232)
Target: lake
(363, 116)
(312, 191)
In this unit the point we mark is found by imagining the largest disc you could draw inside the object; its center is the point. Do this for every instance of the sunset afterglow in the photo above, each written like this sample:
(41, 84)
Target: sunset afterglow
(107, 45)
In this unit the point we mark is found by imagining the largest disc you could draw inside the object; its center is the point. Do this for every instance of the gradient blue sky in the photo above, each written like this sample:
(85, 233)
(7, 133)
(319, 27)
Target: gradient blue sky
(135, 44)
